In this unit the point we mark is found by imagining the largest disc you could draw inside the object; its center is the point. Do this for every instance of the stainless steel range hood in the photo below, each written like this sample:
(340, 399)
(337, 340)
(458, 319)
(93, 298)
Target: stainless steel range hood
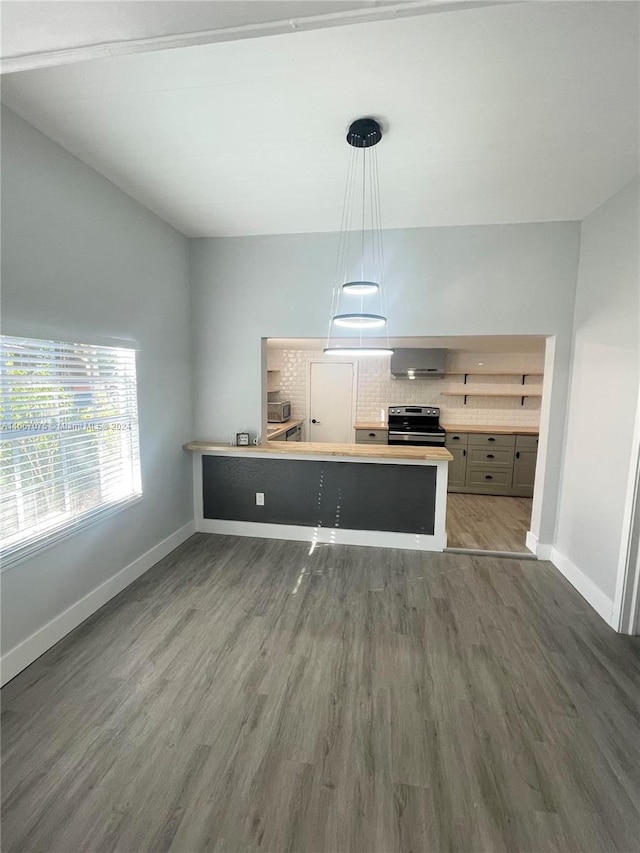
(413, 363)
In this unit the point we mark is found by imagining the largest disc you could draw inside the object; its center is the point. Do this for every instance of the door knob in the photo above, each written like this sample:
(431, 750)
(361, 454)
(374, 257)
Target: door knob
(314, 421)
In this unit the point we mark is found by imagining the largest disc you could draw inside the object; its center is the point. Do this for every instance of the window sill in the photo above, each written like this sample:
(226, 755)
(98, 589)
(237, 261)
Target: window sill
(19, 553)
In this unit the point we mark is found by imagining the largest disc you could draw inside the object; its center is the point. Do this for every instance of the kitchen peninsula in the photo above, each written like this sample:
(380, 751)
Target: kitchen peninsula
(377, 495)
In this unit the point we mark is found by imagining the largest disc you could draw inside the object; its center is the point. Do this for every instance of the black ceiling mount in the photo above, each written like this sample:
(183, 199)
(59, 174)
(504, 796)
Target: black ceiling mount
(364, 132)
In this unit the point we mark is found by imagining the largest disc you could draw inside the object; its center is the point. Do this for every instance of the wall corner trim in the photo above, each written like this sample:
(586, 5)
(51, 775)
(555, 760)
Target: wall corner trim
(592, 593)
(26, 652)
(540, 549)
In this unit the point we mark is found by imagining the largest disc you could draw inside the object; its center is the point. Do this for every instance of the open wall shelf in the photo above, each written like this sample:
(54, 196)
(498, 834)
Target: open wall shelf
(491, 373)
(467, 390)
(273, 381)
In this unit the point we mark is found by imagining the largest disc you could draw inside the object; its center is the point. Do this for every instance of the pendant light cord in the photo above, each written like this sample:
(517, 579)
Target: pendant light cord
(343, 241)
(346, 259)
(382, 283)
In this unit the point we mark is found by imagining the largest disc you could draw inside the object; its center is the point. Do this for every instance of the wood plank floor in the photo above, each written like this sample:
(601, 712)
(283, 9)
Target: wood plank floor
(245, 695)
(488, 522)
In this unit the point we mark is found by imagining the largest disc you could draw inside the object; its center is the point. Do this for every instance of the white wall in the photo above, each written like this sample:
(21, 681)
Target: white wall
(603, 397)
(81, 258)
(483, 280)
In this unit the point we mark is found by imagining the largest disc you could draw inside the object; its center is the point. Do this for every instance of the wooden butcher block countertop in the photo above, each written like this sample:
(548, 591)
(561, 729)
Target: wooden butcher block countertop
(274, 430)
(315, 448)
(497, 430)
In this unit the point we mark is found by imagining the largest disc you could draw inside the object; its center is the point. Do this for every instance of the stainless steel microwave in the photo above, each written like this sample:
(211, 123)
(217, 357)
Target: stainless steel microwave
(279, 412)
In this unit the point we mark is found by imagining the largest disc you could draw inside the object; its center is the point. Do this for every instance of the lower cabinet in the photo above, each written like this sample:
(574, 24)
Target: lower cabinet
(457, 468)
(486, 464)
(524, 467)
(294, 434)
(371, 436)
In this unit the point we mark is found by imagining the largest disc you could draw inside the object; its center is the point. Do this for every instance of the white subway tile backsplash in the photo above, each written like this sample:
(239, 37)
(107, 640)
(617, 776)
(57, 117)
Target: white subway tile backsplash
(377, 389)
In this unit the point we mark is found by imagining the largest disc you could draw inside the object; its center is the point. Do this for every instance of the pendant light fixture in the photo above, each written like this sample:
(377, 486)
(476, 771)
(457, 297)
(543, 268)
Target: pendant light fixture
(359, 298)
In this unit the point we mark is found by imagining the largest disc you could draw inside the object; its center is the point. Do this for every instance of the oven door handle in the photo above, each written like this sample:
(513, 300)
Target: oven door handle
(418, 434)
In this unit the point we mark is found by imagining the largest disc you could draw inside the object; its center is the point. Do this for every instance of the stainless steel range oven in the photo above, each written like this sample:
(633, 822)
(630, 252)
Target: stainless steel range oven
(415, 425)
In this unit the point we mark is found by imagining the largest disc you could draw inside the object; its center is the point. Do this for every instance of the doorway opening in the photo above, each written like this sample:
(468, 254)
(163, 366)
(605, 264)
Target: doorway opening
(488, 395)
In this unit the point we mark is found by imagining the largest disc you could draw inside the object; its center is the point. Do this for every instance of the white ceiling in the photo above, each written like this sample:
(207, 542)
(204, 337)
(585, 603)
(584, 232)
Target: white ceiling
(506, 113)
(460, 343)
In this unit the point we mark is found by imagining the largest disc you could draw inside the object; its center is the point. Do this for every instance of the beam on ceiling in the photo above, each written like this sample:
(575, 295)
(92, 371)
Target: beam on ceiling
(27, 62)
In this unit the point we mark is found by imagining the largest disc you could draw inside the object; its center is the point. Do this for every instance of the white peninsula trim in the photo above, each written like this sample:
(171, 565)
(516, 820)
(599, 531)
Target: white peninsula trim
(328, 535)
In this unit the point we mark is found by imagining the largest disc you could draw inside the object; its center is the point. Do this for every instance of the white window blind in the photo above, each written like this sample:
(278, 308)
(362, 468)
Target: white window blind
(69, 447)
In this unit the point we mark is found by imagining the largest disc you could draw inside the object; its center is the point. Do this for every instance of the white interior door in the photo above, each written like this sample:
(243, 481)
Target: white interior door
(331, 401)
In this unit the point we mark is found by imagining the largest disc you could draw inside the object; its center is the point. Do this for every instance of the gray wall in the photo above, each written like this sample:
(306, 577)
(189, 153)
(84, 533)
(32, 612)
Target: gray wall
(604, 391)
(81, 258)
(483, 280)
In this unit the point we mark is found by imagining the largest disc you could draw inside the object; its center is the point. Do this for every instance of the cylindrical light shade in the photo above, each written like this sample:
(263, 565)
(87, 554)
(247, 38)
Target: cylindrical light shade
(360, 321)
(360, 288)
(357, 351)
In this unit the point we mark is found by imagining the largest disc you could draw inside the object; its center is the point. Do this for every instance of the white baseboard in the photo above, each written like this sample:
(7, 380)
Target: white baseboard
(540, 549)
(600, 602)
(324, 535)
(20, 656)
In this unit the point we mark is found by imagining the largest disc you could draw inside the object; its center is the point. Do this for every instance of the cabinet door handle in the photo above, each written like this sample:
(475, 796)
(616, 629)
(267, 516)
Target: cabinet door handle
(488, 477)
(464, 451)
(372, 435)
(518, 454)
(455, 438)
(491, 439)
(490, 456)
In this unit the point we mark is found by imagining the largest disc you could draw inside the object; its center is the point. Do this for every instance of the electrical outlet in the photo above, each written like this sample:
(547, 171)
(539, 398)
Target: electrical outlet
(259, 498)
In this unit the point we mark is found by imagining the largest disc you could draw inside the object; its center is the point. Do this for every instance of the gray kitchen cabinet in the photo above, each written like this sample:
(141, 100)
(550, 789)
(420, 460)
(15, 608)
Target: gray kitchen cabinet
(372, 436)
(490, 456)
(527, 442)
(487, 480)
(294, 434)
(492, 464)
(281, 437)
(456, 444)
(483, 439)
(457, 468)
(455, 439)
(524, 466)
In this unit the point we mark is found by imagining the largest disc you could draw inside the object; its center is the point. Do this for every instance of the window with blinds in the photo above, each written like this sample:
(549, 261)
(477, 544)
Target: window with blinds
(69, 447)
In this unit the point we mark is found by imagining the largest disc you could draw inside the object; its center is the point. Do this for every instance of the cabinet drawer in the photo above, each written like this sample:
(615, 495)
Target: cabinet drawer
(491, 456)
(480, 476)
(371, 436)
(481, 439)
(456, 439)
(526, 442)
